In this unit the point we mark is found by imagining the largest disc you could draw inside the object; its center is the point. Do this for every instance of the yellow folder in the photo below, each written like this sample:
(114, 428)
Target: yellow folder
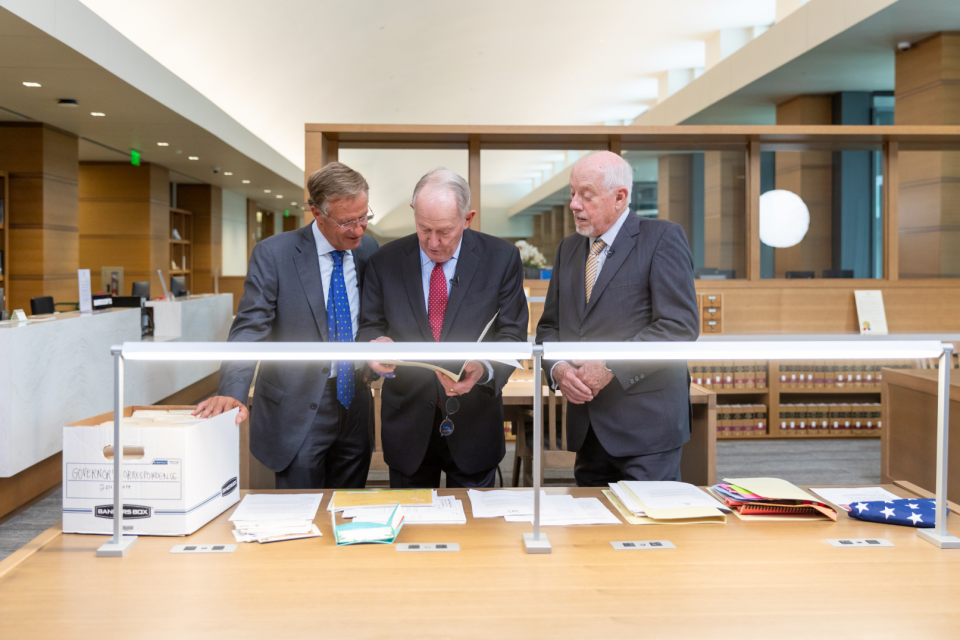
(686, 515)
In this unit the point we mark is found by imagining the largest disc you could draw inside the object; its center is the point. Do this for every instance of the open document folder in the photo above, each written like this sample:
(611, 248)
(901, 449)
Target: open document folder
(368, 532)
(771, 499)
(665, 503)
(447, 372)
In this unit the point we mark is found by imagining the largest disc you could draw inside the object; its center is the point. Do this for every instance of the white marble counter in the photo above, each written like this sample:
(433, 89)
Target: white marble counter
(59, 371)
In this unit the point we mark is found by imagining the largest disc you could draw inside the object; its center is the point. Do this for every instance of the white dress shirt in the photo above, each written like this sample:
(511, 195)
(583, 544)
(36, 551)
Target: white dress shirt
(449, 269)
(608, 237)
(325, 257)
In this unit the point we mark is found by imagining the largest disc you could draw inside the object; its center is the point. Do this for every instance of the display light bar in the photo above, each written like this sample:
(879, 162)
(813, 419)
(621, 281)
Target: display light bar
(321, 351)
(744, 350)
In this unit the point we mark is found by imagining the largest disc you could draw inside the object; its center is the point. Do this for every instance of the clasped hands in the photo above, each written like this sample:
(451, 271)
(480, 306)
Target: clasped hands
(472, 372)
(581, 381)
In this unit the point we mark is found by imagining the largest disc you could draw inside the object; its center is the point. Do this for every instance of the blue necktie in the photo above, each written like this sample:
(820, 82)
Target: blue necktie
(340, 327)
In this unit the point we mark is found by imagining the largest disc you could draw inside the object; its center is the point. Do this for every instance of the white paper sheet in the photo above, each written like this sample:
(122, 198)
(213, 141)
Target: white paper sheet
(444, 510)
(671, 495)
(278, 506)
(843, 497)
(566, 510)
(870, 312)
(500, 502)
(627, 499)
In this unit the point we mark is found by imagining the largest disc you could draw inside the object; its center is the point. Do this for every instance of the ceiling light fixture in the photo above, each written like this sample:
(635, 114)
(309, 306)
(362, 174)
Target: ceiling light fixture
(163, 144)
(245, 181)
(279, 197)
(97, 114)
(193, 158)
(31, 84)
(266, 190)
(228, 173)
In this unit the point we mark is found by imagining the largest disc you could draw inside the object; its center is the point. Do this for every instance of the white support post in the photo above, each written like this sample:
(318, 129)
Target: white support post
(119, 544)
(938, 535)
(537, 542)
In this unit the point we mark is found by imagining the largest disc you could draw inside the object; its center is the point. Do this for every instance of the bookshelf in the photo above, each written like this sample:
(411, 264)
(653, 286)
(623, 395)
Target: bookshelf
(181, 249)
(794, 394)
(4, 240)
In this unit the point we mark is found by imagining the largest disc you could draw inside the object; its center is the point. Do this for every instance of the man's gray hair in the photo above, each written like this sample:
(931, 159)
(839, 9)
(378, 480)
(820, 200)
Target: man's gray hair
(449, 180)
(616, 175)
(334, 181)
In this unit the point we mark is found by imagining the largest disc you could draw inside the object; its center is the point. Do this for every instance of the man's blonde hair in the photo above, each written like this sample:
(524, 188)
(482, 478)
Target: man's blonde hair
(335, 181)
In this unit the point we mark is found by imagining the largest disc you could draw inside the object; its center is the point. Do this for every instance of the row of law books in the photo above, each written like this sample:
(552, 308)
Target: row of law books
(837, 374)
(729, 374)
(741, 420)
(835, 418)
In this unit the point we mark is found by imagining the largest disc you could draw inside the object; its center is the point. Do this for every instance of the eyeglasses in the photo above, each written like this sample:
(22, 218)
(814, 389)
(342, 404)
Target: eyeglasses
(446, 427)
(362, 220)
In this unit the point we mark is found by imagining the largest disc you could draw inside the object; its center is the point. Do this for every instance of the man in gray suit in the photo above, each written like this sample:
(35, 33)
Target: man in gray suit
(309, 422)
(620, 278)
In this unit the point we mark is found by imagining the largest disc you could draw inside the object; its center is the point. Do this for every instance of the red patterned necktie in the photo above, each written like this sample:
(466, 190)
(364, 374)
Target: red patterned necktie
(438, 301)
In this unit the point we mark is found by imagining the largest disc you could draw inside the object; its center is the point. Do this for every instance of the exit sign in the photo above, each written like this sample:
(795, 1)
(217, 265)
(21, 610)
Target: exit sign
(134, 158)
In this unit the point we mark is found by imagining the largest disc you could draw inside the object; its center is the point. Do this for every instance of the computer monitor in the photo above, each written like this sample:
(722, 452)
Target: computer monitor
(141, 289)
(178, 286)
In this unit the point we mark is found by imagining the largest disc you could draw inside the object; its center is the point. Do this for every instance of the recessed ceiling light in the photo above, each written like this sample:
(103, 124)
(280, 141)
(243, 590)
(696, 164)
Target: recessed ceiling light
(228, 173)
(279, 197)
(97, 113)
(245, 181)
(31, 84)
(294, 203)
(163, 144)
(193, 158)
(266, 190)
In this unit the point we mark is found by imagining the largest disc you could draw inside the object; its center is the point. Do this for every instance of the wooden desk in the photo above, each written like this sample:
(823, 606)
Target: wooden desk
(739, 580)
(698, 464)
(909, 434)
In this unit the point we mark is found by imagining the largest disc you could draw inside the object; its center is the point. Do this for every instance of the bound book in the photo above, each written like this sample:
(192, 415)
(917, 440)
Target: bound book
(368, 532)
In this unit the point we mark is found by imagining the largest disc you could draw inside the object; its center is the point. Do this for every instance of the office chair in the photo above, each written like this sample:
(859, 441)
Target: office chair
(41, 306)
(141, 289)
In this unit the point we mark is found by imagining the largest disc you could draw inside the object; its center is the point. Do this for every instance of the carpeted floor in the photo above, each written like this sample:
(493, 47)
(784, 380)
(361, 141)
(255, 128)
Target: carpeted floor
(818, 462)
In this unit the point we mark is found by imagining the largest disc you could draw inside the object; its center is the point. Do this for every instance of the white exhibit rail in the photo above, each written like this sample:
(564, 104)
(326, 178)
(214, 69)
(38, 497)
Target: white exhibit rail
(862, 349)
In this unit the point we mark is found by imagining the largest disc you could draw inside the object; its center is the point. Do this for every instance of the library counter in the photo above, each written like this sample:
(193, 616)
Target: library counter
(738, 580)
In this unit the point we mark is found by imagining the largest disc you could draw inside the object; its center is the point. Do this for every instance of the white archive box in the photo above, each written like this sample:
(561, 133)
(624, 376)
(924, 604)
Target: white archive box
(178, 476)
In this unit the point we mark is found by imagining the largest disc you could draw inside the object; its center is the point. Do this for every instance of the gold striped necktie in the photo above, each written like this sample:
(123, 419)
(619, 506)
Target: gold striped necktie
(593, 265)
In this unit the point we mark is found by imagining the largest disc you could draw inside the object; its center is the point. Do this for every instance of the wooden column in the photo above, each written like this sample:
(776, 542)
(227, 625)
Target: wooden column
(928, 92)
(473, 179)
(252, 226)
(42, 214)
(568, 223)
(674, 195)
(724, 212)
(320, 150)
(809, 174)
(206, 203)
(125, 221)
(753, 210)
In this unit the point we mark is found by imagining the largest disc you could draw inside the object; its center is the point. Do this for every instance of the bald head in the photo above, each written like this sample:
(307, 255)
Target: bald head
(600, 186)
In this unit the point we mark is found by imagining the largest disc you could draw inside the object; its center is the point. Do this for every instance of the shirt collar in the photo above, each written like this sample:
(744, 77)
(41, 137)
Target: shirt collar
(612, 232)
(425, 259)
(323, 245)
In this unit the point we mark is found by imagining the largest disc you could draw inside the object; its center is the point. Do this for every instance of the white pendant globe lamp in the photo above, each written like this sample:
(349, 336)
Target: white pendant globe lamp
(784, 219)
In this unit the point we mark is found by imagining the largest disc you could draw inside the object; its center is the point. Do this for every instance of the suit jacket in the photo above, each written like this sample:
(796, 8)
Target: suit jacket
(283, 302)
(644, 293)
(490, 279)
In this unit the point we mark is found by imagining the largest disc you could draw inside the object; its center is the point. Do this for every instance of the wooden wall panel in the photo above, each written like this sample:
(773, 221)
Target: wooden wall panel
(206, 203)
(674, 173)
(724, 210)
(125, 221)
(43, 212)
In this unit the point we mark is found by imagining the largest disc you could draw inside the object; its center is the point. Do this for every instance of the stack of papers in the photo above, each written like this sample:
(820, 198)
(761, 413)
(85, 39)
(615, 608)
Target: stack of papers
(843, 498)
(770, 499)
(444, 510)
(517, 506)
(664, 503)
(380, 498)
(275, 517)
(369, 532)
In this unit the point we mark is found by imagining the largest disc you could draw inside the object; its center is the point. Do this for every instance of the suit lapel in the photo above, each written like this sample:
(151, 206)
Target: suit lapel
(467, 264)
(622, 246)
(413, 280)
(308, 268)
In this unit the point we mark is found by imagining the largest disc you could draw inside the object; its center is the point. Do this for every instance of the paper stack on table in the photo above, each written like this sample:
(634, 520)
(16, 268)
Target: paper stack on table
(517, 506)
(664, 503)
(770, 499)
(843, 497)
(444, 510)
(380, 498)
(275, 517)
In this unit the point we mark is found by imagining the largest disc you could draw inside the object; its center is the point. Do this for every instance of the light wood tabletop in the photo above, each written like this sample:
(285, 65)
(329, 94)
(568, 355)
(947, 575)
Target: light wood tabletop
(739, 580)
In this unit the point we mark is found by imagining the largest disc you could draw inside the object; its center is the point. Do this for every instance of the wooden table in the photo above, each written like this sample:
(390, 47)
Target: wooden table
(739, 580)
(909, 433)
(699, 461)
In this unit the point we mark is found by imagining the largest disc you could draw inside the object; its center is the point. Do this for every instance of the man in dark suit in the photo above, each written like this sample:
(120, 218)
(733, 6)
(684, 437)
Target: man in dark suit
(444, 283)
(620, 278)
(310, 419)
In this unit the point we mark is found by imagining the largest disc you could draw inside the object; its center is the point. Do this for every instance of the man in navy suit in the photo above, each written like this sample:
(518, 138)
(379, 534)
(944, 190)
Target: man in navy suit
(443, 284)
(620, 278)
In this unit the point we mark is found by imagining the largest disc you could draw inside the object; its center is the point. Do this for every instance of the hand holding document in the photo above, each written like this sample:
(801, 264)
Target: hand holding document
(271, 517)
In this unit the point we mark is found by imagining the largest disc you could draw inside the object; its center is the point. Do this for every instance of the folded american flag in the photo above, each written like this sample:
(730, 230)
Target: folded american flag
(909, 513)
